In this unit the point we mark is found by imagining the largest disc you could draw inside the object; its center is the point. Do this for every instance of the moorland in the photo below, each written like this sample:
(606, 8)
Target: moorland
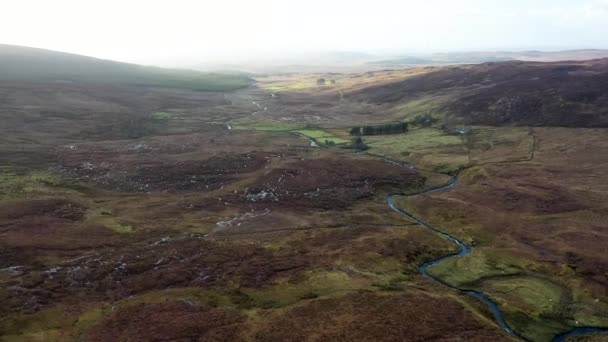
(245, 209)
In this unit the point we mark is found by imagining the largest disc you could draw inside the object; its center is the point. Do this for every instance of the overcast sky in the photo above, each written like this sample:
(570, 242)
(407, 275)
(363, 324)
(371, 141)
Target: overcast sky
(157, 31)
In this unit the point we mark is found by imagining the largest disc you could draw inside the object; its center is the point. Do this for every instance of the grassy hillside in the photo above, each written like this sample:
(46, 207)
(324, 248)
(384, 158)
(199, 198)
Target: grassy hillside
(30, 64)
(566, 94)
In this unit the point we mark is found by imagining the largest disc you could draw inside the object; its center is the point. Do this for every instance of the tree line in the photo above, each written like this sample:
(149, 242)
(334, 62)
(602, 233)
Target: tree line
(393, 128)
(424, 120)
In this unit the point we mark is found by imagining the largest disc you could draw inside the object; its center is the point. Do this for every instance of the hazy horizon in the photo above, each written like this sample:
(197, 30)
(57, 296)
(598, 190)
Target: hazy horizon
(186, 32)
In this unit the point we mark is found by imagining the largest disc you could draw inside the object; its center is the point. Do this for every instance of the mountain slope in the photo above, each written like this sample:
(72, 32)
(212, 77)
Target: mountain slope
(19, 63)
(572, 94)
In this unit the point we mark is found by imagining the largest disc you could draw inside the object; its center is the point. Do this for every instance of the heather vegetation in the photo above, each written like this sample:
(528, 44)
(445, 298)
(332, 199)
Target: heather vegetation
(139, 212)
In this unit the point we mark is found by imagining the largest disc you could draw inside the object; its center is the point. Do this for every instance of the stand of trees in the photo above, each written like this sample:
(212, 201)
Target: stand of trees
(358, 144)
(394, 128)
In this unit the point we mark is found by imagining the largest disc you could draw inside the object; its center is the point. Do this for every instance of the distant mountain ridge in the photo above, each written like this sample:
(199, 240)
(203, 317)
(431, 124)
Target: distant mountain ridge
(498, 56)
(353, 61)
(19, 63)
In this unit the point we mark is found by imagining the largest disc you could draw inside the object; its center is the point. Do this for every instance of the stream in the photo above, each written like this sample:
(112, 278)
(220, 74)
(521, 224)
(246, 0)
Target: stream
(463, 250)
(312, 142)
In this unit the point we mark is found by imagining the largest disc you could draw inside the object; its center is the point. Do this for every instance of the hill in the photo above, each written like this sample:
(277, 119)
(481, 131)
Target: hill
(150, 213)
(475, 57)
(442, 58)
(19, 63)
(568, 94)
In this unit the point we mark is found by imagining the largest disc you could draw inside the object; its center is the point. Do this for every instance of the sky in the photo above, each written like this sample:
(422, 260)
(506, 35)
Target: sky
(158, 32)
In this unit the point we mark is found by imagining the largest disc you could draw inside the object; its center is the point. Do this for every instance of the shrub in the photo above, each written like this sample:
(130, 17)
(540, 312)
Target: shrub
(161, 116)
(359, 145)
(425, 120)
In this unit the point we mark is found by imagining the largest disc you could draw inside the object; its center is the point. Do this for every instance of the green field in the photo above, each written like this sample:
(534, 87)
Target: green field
(321, 136)
(425, 147)
(414, 140)
(249, 123)
(291, 86)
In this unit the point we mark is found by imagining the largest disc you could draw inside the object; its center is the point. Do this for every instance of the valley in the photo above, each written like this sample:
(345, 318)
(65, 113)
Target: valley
(140, 212)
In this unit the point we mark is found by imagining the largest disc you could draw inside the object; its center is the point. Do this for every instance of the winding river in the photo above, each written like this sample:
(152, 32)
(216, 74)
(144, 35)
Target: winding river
(463, 250)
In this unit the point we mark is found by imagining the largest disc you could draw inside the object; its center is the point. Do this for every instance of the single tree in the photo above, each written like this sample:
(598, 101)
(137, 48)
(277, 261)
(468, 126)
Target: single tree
(359, 145)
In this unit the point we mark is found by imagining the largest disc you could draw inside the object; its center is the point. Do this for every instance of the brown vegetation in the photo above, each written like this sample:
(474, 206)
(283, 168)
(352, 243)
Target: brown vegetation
(570, 94)
(368, 316)
(196, 230)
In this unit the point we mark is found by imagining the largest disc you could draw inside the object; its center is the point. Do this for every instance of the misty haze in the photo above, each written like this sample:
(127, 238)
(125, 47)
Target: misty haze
(316, 171)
